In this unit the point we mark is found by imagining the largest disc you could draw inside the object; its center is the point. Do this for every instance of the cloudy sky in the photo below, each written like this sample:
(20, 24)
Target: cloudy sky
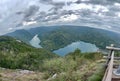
(18, 14)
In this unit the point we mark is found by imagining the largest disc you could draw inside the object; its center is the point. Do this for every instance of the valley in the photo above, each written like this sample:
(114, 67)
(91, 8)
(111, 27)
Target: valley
(55, 37)
(59, 40)
(55, 53)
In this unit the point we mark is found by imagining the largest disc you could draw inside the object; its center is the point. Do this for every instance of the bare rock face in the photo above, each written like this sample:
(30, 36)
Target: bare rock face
(19, 74)
(53, 77)
(25, 72)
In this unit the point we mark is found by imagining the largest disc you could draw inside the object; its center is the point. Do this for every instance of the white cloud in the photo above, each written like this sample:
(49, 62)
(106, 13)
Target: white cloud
(64, 19)
(64, 0)
(109, 27)
(85, 0)
(71, 17)
(117, 14)
(84, 6)
(97, 8)
(78, 6)
(100, 15)
(29, 23)
(117, 4)
(9, 29)
(44, 7)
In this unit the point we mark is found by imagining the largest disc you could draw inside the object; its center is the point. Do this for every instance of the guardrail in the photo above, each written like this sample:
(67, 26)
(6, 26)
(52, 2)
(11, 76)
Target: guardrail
(108, 76)
(108, 72)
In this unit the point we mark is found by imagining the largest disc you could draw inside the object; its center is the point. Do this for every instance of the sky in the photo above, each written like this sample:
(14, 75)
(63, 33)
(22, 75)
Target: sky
(23, 14)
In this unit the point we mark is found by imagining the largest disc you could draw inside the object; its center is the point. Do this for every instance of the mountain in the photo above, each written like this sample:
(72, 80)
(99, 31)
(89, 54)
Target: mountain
(42, 30)
(27, 35)
(21, 35)
(68, 34)
(55, 37)
(17, 54)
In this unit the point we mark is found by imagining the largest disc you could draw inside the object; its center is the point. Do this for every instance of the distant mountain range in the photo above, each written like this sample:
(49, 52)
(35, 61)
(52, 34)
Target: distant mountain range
(55, 37)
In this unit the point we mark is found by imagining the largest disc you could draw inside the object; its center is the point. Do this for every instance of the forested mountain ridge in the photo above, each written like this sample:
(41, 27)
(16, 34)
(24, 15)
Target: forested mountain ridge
(66, 35)
(21, 35)
(55, 37)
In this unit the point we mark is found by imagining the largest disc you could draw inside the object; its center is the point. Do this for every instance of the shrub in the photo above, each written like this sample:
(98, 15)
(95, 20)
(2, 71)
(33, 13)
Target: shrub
(97, 76)
(58, 65)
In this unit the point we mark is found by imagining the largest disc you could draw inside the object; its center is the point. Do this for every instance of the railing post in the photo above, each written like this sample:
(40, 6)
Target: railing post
(108, 72)
(109, 62)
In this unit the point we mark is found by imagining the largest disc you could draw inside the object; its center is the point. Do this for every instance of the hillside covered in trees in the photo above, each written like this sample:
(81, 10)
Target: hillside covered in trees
(55, 37)
(15, 54)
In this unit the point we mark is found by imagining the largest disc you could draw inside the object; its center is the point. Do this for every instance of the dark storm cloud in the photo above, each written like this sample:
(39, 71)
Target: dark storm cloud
(56, 9)
(85, 13)
(114, 9)
(110, 14)
(18, 25)
(31, 11)
(42, 13)
(0, 16)
(46, 17)
(41, 16)
(69, 12)
(101, 2)
(78, 1)
(114, 1)
(46, 1)
(56, 5)
(19, 13)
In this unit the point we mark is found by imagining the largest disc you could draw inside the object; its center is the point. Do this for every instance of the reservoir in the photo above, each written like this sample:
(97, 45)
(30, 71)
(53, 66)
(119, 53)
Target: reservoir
(83, 46)
(35, 42)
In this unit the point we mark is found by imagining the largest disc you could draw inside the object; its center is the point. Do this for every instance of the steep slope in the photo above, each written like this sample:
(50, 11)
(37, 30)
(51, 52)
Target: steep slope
(16, 54)
(22, 34)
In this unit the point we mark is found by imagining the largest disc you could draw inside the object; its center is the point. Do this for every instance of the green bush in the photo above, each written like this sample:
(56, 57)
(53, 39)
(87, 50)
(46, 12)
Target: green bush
(75, 66)
(58, 65)
(68, 76)
(97, 76)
